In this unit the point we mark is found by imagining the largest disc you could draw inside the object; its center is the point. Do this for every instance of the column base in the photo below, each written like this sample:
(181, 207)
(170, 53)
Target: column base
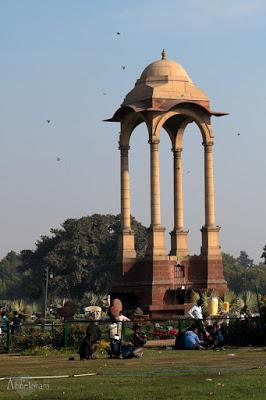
(179, 243)
(156, 246)
(210, 241)
(126, 245)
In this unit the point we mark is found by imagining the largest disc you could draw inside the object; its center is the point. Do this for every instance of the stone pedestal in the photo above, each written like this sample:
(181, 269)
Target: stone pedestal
(210, 241)
(126, 245)
(179, 243)
(156, 245)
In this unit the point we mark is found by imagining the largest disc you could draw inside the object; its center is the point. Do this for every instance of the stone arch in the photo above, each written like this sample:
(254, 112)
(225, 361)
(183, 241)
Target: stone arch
(201, 119)
(132, 120)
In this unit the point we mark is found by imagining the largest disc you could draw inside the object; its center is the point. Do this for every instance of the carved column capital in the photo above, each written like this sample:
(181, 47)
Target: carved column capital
(154, 142)
(177, 152)
(125, 147)
(208, 147)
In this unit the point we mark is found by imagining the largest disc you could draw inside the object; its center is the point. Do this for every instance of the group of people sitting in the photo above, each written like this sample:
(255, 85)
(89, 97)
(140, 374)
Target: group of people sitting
(118, 348)
(196, 337)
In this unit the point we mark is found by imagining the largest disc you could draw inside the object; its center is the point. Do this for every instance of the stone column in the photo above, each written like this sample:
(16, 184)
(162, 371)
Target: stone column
(155, 184)
(156, 247)
(209, 188)
(210, 232)
(179, 246)
(178, 190)
(125, 188)
(126, 247)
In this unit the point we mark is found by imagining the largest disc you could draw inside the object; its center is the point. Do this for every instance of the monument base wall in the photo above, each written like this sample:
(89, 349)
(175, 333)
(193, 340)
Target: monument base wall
(162, 288)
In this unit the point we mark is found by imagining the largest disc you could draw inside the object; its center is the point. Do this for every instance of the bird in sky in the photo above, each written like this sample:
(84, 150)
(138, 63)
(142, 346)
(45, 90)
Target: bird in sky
(104, 94)
(238, 134)
(123, 67)
(118, 33)
(188, 172)
(48, 121)
(58, 159)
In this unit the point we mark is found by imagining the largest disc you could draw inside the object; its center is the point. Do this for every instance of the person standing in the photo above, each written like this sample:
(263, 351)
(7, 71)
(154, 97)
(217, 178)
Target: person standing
(196, 313)
(5, 322)
(196, 310)
(15, 323)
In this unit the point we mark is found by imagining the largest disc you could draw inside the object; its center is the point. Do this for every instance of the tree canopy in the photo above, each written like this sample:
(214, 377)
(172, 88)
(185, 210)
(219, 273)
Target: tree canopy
(264, 254)
(81, 255)
(244, 260)
(9, 275)
(240, 278)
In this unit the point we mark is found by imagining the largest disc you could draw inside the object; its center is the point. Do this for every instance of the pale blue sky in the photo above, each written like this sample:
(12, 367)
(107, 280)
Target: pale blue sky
(57, 59)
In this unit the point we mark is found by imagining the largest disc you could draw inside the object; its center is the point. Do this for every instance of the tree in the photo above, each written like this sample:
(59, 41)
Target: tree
(241, 279)
(9, 275)
(81, 255)
(234, 273)
(244, 260)
(264, 254)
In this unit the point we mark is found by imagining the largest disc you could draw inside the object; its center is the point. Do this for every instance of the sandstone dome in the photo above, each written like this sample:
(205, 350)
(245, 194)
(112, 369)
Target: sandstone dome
(165, 68)
(164, 79)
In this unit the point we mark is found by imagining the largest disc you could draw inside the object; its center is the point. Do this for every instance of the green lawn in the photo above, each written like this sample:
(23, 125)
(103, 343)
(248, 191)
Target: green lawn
(161, 374)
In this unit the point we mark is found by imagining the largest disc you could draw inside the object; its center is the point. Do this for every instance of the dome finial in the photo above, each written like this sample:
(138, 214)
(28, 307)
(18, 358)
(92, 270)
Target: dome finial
(163, 54)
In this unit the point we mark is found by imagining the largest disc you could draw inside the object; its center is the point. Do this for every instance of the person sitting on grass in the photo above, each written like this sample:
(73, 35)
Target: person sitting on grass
(191, 339)
(218, 339)
(136, 347)
(115, 341)
(90, 343)
(138, 341)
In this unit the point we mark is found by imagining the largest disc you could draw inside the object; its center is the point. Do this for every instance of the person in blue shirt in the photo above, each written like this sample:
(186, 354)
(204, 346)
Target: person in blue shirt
(191, 339)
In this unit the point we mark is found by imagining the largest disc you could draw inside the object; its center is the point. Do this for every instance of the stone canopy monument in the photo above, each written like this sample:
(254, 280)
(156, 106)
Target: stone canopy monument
(165, 97)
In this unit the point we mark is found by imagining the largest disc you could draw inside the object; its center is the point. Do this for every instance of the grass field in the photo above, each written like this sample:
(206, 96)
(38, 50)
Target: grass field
(161, 374)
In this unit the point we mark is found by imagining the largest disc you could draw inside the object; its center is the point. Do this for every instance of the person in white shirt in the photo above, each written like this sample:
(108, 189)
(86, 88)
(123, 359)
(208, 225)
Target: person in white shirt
(196, 313)
(196, 310)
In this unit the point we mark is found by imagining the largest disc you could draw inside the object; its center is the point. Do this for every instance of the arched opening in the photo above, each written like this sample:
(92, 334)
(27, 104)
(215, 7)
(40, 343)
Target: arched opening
(193, 185)
(139, 170)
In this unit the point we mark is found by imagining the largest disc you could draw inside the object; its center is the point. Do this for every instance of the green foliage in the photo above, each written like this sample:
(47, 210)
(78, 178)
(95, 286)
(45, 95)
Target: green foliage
(250, 299)
(92, 299)
(264, 254)
(244, 260)
(36, 337)
(10, 275)
(240, 278)
(81, 255)
(22, 307)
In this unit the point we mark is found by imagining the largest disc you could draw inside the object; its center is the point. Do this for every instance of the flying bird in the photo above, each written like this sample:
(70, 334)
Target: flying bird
(238, 134)
(58, 159)
(188, 172)
(123, 67)
(104, 94)
(118, 33)
(48, 121)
